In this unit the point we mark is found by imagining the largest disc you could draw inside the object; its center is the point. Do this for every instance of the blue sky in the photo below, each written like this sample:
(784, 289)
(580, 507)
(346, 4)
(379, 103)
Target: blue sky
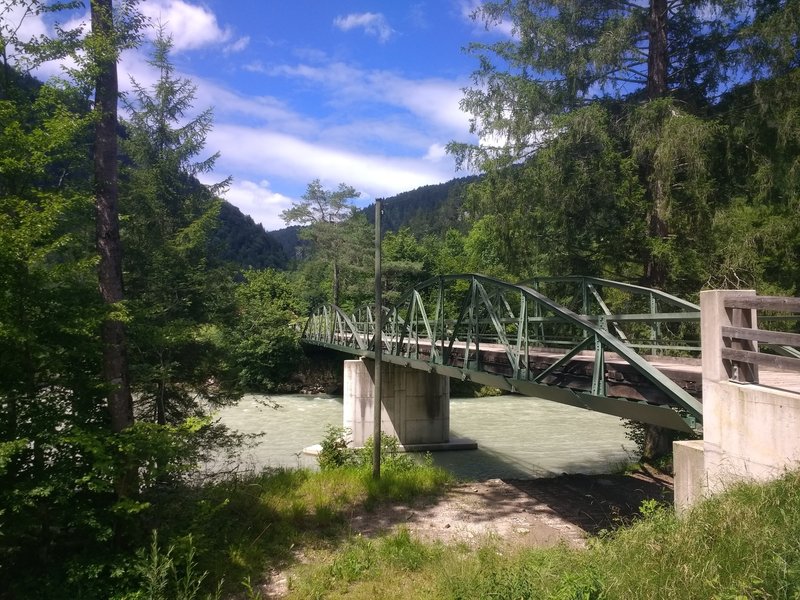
(359, 92)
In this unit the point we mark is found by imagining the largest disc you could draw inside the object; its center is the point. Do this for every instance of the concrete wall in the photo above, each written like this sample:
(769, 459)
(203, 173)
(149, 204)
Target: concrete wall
(416, 404)
(750, 431)
(690, 473)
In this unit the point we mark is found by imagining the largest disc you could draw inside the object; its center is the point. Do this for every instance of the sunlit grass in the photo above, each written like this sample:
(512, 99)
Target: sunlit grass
(245, 525)
(740, 545)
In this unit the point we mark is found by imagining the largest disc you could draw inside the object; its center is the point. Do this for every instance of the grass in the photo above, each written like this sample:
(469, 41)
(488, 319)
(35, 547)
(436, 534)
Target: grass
(740, 545)
(241, 527)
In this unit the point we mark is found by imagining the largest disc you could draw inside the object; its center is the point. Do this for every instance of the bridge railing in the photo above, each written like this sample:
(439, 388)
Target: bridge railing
(744, 341)
(743, 332)
(651, 321)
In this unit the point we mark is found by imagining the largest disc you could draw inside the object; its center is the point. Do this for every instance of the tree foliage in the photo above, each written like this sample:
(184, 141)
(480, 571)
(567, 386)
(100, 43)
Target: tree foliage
(335, 234)
(612, 111)
(179, 296)
(266, 347)
(73, 484)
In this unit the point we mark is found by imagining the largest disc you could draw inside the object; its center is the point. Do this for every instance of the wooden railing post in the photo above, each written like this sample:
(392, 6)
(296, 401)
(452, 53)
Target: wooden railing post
(743, 372)
(713, 317)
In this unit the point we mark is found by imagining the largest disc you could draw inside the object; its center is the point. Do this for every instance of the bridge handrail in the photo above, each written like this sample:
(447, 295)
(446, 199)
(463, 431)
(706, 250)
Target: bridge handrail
(657, 310)
(741, 339)
(628, 287)
(344, 324)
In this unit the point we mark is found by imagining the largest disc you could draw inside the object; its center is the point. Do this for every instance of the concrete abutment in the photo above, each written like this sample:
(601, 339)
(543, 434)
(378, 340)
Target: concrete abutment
(750, 431)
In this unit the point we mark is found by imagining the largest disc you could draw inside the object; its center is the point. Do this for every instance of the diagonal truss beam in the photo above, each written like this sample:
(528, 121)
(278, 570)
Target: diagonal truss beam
(449, 323)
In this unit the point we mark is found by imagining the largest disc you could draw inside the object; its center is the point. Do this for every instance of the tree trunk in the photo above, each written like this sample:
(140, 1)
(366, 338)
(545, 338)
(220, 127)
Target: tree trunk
(658, 441)
(657, 65)
(657, 56)
(161, 412)
(115, 359)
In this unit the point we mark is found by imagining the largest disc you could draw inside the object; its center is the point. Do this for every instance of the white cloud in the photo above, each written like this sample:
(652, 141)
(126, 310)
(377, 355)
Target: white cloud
(469, 9)
(238, 45)
(434, 100)
(374, 24)
(389, 130)
(436, 152)
(259, 201)
(252, 150)
(25, 24)
(191, 26)
(252, 110)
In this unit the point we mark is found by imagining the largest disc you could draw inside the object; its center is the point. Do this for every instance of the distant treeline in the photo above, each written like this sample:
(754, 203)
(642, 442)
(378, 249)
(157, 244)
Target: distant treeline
(427, 210)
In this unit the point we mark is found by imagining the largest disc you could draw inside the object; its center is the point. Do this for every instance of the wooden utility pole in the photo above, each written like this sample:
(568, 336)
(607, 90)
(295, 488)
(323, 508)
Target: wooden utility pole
(376, 429)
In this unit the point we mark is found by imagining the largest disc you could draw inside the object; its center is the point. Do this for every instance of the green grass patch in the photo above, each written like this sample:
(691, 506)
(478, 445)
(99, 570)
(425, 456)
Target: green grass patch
(368, 568)
(740, 545)
(241, 527)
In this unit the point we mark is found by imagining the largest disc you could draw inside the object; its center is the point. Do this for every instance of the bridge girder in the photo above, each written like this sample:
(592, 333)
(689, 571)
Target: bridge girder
(513, 337)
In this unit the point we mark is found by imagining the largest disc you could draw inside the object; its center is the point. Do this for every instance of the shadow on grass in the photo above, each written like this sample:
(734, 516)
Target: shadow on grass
(248, 524)
(597, 503)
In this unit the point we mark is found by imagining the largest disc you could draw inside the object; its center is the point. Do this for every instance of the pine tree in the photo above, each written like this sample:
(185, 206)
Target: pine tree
(179, 296)
(326, 214)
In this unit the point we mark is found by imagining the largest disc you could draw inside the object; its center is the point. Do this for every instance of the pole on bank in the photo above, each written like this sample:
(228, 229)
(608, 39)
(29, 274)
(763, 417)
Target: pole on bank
(376, 430)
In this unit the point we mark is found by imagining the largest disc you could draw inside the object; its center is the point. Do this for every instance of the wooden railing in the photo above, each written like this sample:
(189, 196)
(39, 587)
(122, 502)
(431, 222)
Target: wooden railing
(743, 342)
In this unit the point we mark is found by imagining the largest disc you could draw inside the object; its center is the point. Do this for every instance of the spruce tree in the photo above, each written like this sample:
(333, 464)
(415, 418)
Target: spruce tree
(616, 57)
(180, 297)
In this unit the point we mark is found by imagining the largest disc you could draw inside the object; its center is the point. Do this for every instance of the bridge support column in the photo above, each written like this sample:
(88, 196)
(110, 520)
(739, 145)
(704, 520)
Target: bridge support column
(416, 406)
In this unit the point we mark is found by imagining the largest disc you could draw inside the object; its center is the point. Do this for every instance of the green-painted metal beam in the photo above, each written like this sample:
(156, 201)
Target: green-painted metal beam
(491, 311)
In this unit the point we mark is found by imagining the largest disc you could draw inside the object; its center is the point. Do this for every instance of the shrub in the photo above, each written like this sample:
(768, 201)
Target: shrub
(335, 451)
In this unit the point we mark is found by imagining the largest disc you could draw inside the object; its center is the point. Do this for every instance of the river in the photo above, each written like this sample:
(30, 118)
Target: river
(518, 437)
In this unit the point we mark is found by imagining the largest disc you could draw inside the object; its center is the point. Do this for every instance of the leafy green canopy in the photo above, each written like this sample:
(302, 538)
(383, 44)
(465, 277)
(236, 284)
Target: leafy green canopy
(266, 349)
(600, 132)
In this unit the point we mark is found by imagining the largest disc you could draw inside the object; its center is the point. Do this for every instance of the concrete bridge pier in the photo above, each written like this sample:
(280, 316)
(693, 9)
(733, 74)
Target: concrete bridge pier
(416, 406)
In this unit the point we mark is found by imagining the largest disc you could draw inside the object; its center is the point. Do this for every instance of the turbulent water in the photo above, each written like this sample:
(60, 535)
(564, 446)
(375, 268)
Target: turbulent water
(517, 436)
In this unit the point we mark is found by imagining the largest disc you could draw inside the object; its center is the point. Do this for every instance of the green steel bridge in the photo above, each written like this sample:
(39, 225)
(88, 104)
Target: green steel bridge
(592, 343)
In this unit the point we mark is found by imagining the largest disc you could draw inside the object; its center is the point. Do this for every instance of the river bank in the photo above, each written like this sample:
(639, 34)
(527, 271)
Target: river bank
(540, 477)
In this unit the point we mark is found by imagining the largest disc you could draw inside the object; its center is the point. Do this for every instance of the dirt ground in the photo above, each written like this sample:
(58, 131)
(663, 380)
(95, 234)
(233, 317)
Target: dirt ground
(534, 513)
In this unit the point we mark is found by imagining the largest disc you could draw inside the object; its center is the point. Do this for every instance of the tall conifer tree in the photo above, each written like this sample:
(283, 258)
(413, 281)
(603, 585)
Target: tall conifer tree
(567, 55)
(179, 296)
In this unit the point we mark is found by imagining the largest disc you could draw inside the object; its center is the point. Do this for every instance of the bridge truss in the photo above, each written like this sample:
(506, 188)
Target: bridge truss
(590, 343)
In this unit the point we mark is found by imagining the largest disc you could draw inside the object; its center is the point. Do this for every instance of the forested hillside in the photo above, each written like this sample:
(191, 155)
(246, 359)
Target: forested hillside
(430, 209)
(244, 243)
